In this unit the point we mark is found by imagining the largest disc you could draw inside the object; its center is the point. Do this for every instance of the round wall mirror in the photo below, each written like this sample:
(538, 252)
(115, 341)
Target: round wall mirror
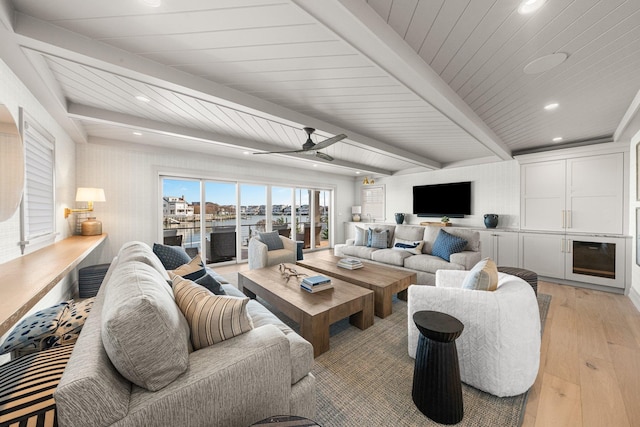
(11, 165)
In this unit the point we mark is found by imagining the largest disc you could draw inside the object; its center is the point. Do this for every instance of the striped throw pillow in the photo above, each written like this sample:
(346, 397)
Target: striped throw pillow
(212, 318)
(27, 387)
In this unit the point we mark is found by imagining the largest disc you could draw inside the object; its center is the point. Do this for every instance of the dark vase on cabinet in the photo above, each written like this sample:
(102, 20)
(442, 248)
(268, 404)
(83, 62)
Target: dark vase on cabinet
(491, 220)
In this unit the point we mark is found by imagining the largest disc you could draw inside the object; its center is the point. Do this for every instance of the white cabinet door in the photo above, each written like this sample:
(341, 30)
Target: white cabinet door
(543, 253)
(486, 244)
(543, 195)
(595, 194)
(506, 244)
(500, 246)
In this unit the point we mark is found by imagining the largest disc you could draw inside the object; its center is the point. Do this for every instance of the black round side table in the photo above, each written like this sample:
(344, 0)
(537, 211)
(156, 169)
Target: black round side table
(437, 391)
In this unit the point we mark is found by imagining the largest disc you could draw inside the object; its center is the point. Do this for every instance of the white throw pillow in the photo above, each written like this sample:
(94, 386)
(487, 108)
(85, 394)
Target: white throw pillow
(415, 247)
(362, 236)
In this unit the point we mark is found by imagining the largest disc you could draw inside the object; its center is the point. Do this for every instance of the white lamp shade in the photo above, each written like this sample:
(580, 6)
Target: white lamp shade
(356, 209)
(85, 194)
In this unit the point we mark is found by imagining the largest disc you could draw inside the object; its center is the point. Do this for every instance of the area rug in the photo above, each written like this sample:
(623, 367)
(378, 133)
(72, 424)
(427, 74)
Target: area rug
(366, 377)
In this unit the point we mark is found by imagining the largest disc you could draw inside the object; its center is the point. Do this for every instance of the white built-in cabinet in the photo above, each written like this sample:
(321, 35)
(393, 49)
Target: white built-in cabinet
(582, 195)
(500, 246)
(572, 209)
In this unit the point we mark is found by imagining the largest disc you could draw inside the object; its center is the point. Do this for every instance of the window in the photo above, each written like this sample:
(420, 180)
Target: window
(38, 202)
(372, 200)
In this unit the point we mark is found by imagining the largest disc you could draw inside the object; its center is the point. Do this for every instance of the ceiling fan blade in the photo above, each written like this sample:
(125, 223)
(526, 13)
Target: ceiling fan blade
(324, 156)
(280, 152)
(329, 141)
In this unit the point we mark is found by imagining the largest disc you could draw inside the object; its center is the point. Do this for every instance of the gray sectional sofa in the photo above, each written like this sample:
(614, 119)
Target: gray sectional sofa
(424, 264)
(235, 382)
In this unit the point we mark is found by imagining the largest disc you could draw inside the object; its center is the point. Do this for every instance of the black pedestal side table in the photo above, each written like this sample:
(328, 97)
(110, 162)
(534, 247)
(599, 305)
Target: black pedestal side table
(437, 390)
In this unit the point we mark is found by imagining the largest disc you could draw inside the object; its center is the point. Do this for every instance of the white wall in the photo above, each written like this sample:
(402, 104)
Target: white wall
(495, 189)
(129, 176)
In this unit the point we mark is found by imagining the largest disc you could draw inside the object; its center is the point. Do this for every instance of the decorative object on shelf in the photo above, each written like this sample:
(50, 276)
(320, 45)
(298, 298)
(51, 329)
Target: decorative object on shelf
(355, 213)
(435, 224)
(490, 220)
(444, 220)
(91, 227)
(399, 218)
(287, 272)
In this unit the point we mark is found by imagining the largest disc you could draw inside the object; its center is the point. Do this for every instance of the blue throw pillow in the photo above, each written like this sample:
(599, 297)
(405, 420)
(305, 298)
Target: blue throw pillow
(447, 244)
(272, 240)
(211, 284)
(171, 257)
(378, 238)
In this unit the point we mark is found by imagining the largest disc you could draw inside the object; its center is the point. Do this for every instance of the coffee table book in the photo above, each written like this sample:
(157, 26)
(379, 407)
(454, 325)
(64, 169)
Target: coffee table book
(315, 288)
(350, 263)
(316, 280)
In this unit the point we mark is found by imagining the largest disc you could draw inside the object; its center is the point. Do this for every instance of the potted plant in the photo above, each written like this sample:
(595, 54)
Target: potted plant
(444, 220)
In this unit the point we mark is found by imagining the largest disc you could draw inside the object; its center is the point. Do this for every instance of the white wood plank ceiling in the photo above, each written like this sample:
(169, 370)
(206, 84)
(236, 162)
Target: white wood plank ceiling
(415, 85)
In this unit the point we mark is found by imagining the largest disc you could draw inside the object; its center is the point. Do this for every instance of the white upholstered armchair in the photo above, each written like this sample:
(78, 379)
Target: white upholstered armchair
(260, 256)
(499, 349)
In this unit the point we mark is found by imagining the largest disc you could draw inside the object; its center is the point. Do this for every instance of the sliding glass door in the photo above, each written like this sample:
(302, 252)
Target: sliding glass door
(217, 218)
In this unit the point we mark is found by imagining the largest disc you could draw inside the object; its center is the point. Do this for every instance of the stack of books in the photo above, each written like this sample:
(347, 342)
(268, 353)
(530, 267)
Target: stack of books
(350, 263)
(316, 283)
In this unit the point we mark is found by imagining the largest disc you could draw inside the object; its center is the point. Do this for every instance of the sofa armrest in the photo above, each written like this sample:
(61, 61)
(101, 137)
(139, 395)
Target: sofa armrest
(236, 382)
(466, 258)
(350, 242)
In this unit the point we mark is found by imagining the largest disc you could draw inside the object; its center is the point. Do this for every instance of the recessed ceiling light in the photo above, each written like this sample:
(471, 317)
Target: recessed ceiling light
(142, 98)
(545, 63)
(530, 6)
(137, 133)
(552, 106)
(246, 153)
(357, 172)
(557, 139)
(151, 3)
(315, 166)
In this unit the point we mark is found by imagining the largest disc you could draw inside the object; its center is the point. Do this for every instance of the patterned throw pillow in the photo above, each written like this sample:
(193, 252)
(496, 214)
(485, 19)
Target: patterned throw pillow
(447, 244)
(378, 238)
(29, 335)
(212, 318)
(71, 323)
(415, 247)
(272, 240)
(482, 277)
(209, 282)
(171, 257)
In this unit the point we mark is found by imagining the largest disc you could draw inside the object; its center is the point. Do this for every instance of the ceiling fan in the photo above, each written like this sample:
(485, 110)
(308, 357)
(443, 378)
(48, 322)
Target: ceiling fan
(309, 147)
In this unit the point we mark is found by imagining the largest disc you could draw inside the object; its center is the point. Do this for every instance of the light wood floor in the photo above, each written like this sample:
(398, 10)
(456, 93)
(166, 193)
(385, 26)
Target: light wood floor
(590, 360)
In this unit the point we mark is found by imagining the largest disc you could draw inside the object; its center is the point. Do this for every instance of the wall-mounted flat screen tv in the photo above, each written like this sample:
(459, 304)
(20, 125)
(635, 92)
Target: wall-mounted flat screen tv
(452, 199)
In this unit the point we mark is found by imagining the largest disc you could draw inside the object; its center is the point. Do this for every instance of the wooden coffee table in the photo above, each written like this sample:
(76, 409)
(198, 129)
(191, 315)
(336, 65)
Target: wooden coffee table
(313, 312)
(382, 280)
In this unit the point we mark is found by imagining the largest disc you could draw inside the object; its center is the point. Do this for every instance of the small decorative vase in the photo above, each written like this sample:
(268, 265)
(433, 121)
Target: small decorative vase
(399, 218)
(91, 227)
(355, 217)
(491, 220)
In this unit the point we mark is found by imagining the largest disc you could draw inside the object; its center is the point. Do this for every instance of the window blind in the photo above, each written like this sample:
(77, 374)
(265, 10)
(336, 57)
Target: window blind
(38, 199)
(372, 201)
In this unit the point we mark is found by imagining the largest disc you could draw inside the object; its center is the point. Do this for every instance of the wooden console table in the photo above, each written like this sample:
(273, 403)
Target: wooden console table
(27, 279)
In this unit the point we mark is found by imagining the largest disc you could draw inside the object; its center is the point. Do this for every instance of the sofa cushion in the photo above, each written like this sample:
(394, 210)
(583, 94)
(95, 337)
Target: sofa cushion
(409, 232)
(30, 334)
(212, 318)
(378, 238)
(447, 244)
(71, 323)
(483, 276)
(143, 331)
(359, 251)
(411, 246)
(272, 240)
(429, 263)
(171, 257)
(390, 256)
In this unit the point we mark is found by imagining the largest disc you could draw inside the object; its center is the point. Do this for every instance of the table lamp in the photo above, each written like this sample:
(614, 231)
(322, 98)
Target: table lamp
(355, 213)
(90, 227)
